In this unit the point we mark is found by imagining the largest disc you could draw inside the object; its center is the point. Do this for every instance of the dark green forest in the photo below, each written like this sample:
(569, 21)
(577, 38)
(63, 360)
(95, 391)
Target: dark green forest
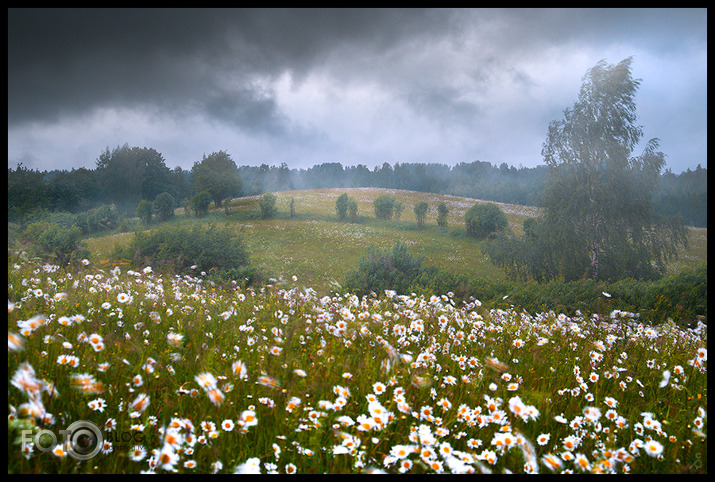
(125, 176)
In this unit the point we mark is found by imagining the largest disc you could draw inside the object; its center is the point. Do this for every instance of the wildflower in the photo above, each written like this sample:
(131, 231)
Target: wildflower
(98, 405)
(140, 403)
(405, 465)
(124, 298)
(582, 462)
(205, 380)
(174, 338)
(137, 453)
(552, 462)
(15, 342)
(653, 448)
(666, 379)
(292, 404)
(215, 395)
(107, 447)
(248, 419)
(250, 466)
(543, 439)
(267, 381)
(59, 451)
(571, 442)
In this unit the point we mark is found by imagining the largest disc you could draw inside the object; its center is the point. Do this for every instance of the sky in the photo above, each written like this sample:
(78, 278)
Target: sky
(367, 86)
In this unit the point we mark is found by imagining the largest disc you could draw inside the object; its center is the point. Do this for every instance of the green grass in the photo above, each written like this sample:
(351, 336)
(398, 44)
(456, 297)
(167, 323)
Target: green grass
(319, 249)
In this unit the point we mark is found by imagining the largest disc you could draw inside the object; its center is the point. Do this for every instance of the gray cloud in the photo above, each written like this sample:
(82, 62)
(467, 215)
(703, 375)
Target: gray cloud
(441, 73)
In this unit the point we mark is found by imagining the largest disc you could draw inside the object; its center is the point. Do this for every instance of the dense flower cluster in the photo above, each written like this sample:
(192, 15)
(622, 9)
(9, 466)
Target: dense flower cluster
(281, 380)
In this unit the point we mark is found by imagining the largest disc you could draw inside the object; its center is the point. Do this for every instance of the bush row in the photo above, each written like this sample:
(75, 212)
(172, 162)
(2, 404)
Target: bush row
(682, 297)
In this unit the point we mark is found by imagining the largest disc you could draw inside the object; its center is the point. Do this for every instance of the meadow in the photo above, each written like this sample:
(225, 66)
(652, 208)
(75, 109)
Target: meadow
(181, 376)
(320, 249)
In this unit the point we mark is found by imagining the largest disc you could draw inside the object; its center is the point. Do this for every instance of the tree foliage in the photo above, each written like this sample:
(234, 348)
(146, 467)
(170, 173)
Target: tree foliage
(483, 219)
(163, 206)
(600, 220)
(144, 211)
(217, 174)
(421, 209)
(200, 203)
(384, 269)
(179, 247)
(267, 205)
(341, 206)
(600, 215)
(442, 212)
(384, 205)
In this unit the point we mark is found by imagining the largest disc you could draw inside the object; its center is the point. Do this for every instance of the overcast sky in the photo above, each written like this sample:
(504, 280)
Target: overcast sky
(351, 86)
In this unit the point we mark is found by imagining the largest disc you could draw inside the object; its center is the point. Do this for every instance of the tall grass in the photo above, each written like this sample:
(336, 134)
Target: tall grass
(284, 380)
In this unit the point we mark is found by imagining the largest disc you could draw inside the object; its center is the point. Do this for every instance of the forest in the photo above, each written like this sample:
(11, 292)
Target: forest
(127, 175)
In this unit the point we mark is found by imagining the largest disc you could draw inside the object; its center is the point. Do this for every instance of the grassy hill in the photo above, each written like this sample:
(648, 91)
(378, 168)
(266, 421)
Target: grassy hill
(319, 249)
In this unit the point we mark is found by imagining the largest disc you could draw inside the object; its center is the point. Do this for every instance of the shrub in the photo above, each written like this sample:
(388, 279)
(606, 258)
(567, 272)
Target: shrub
(341, 206)
(352, 210)
(267, 204)
(179, 247)
(163, 206)
(483, 219)
(378, 270)
(421, 212)
(144, 211)
(398, 207)
(442, 212)
(63, 243)
(384, 205)
(200, 203)
(102, 218)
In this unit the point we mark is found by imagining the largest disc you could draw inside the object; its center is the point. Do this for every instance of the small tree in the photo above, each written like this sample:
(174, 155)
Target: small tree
(218, 175)
(482, 219)
(384, 205)
(291, 207)
(200, 203)
(144, 211)
(341, 206)
(267, 204)
(164, 206)
(442, 212)
(352, 210)
(421, 209)
(398, 207)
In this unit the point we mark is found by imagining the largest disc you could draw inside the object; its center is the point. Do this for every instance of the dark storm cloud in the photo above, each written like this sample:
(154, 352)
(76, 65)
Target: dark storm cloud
(313, 85)
(64, 62)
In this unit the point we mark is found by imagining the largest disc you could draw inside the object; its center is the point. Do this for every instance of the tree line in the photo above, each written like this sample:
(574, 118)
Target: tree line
(125, 176)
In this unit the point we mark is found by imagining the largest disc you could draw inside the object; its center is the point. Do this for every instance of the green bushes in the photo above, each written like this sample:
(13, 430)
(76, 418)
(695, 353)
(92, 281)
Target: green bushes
(341, 206)
(682, 297)
(384, 205)
(179, 247)
(483, 219)
(200, 203)
(382, 269)
(420, 213)
(267, 204)
(163, 206)
(144, 210)
(64, 243)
